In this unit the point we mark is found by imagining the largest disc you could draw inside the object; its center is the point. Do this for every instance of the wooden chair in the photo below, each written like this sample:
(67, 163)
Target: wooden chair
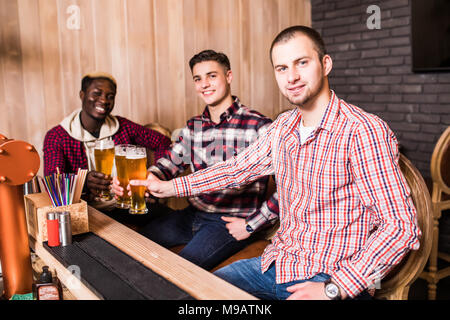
(395, 286)
(158, 128)
(440, 174)
(161, 129)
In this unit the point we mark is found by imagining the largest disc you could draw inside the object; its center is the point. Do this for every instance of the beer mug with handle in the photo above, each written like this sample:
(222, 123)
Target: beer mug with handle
(104, 161)
(137, 170)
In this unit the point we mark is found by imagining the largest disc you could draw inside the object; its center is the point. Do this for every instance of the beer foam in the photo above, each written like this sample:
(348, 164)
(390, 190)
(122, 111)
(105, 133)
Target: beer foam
(135, 156)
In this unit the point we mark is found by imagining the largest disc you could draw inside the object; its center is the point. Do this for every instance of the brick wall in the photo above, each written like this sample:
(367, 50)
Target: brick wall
(372, 69)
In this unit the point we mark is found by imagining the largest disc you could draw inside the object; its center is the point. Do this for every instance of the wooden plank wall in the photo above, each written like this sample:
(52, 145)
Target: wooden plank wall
(145, 44)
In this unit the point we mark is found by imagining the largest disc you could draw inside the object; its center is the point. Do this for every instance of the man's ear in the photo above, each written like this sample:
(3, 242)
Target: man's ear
(229, 76)
(327, 64)
(81, 95)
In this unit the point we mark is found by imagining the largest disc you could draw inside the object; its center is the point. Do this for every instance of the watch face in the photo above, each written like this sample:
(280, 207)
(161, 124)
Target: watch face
(249, 229)
(332, 290)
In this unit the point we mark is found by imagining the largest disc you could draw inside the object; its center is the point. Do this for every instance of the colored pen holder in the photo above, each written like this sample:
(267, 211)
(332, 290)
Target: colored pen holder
(37, 206)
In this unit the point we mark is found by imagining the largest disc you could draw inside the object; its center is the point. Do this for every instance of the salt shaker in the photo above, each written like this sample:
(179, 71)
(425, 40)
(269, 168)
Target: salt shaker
(65, 228)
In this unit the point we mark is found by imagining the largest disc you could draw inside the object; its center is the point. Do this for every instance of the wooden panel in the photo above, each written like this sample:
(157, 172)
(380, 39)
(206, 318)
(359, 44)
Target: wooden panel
(119, 53)
(145, 44)
(264, 98)
(88, 38)
(234, 48)
(5, 117)
(192, 19)
(30, 42)
(12, 70)
(244, 57)
(170, 62)
(102, 23)
(141, 61)
(70, 58)
(51, 63)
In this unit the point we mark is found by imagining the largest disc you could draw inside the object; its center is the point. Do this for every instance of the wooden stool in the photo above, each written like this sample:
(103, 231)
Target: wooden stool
(440, 174)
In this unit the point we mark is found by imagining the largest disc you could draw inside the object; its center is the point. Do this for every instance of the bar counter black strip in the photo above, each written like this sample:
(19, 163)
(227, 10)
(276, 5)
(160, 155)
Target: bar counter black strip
(113, 274)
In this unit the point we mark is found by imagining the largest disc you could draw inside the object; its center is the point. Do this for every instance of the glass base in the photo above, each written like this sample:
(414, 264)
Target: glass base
(122, 205)
(105, 196)
(134, 211)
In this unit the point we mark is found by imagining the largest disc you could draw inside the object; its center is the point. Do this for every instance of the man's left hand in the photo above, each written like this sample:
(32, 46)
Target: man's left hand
(310, 290)
(236, 227)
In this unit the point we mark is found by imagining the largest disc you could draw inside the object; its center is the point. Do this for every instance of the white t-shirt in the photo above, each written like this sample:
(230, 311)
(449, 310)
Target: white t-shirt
(305, 132)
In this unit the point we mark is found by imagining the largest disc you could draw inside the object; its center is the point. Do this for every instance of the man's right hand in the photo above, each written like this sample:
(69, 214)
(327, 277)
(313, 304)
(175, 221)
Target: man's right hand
(116, 188)
(158, 188)
(96, 182)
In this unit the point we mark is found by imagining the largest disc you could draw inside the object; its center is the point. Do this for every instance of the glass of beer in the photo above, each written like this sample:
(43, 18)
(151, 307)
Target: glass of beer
(104, 160)
(123, 201)
(137, 170)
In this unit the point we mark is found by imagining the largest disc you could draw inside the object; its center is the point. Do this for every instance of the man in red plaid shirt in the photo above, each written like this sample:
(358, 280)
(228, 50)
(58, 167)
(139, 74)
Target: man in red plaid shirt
(346, 213)
(213, 226)
(70, 145)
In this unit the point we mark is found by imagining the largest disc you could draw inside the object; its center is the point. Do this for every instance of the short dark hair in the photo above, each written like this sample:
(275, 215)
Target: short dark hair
(210, 55)
(291, 32)
(87, 80)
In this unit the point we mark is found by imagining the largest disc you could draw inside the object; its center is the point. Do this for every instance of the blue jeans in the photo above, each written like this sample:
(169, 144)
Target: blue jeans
(246, 274)
(207, 240)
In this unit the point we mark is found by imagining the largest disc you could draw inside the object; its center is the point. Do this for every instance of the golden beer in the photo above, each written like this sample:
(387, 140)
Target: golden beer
(123, 201)
(104, 161)
(137, 170)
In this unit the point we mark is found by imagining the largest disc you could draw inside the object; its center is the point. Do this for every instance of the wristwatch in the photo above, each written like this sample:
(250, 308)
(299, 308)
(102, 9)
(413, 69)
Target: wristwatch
(332, 291)
(249, 228)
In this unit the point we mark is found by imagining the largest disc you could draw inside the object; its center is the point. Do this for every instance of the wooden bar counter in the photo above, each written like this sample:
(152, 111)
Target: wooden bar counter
(197, 282)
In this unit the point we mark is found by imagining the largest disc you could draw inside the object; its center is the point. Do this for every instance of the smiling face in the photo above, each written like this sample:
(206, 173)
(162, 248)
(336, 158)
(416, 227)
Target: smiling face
(212, 82)
(98, 99)
(301, 76)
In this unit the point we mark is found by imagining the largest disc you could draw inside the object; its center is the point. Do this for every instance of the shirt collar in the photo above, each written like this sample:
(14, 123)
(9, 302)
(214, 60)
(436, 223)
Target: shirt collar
(329, 119)
(227, 114)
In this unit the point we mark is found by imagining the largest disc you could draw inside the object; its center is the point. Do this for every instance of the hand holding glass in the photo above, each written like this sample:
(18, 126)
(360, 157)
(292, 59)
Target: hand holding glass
(137, 170)
(104, 160)
(123, 201)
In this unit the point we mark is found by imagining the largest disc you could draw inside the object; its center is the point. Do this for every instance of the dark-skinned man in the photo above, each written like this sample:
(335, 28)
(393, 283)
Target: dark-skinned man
(70, 145)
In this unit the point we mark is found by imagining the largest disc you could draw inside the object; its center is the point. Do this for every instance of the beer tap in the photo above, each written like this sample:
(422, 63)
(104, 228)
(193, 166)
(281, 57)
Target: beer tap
(19, 163)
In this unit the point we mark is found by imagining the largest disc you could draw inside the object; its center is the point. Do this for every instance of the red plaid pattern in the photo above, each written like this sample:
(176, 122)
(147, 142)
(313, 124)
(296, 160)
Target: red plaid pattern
(345, 207)
(202, 143)
(68, 154)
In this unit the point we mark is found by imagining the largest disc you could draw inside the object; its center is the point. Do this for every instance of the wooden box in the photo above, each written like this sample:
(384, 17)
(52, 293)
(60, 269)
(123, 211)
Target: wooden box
(37, 205)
